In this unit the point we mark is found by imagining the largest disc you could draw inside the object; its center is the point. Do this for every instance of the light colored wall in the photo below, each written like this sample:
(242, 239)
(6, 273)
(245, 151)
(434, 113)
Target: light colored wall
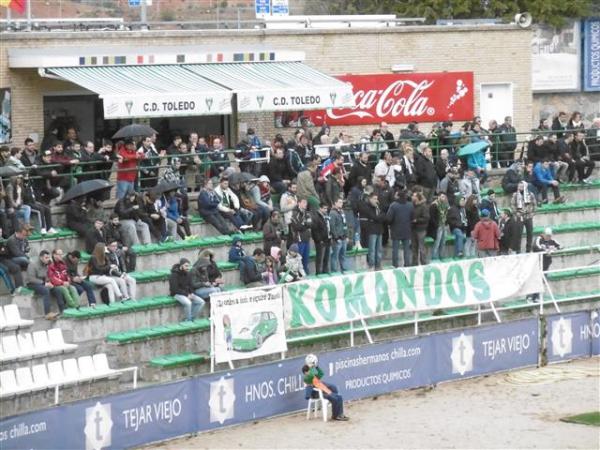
(494, 54)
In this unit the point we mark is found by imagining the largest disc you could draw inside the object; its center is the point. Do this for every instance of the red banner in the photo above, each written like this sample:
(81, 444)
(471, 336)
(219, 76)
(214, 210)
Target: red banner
(403, 98)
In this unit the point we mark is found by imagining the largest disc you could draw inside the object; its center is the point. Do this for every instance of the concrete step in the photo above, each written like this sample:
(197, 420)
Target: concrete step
(45, 399)
(575, 193)
(564, 281)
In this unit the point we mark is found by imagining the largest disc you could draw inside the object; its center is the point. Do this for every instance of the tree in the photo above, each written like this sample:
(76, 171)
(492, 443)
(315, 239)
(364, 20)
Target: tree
(551, 12)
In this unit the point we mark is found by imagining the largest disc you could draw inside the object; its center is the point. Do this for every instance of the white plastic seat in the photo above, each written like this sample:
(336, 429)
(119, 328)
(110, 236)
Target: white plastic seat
(101, 365)
(314, 403)
(8, 383)
(10, 347)
(56, 372)
(3, 324)
(71, 370)
(56, 340)
(40, 342)
(25, 380)
(40, 375)
(26, 350)
(86, 368)
(13, 318)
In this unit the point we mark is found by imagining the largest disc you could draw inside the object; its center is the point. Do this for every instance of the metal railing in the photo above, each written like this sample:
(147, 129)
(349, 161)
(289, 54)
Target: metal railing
(77, 171)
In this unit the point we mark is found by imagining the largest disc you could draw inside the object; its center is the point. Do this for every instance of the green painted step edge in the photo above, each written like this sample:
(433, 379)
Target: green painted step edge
(181, 359)
(163, 331)
(573, 273)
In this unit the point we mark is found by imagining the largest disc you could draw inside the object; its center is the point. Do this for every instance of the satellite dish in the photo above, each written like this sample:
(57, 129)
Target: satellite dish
(524, 20)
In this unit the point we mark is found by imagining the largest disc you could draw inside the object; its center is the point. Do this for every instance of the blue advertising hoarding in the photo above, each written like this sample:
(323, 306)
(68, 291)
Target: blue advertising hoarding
(571, 336)
(591, 54)
(226, 398)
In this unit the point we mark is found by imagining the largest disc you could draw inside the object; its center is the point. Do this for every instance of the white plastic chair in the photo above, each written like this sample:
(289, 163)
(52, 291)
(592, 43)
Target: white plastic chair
(101, 364)
(25, 379)
(3, 323)
(314, 403)
(56, 372)
(86, 368)
(8, 383)
(13, 318)
(41, 344)
(26, 350)
(10, 347)
(57, 342)
(40, 375)
(71, 370)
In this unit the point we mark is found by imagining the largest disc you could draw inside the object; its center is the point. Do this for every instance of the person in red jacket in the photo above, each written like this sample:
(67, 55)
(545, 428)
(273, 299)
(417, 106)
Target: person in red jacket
(58, 275)
(127, 168)
(487, 235)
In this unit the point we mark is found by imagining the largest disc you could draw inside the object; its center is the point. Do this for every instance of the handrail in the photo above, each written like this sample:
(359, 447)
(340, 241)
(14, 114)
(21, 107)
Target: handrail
(77, 170)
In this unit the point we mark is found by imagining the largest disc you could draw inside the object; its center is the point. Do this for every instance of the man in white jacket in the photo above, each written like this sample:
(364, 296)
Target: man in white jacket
(230, 205)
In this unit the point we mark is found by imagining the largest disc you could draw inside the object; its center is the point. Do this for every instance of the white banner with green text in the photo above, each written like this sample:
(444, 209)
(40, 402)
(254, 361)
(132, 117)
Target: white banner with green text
(321, 302)
(247, 323)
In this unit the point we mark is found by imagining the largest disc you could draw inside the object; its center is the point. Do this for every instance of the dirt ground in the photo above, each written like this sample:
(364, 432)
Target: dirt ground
(517, 410)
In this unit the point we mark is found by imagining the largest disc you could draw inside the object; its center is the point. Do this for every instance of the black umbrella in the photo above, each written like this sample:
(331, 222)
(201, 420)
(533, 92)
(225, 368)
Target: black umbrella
(240, 177)
(163, 187)
(135, 129)
(10, 171)
(85, 188)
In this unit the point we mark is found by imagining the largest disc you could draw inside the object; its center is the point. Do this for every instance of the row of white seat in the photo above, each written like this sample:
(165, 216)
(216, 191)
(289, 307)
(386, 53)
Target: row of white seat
(24, 346)
(54, 374)
(10, 318)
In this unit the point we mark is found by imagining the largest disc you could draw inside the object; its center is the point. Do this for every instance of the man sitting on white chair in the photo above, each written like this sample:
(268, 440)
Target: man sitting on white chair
(312, 378)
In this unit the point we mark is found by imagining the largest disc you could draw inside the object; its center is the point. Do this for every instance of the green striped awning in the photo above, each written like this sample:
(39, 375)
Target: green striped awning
(278, 86)
(150, 91)
(207, 89)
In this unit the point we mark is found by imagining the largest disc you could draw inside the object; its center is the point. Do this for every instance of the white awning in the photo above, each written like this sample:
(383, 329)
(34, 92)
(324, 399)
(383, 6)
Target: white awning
(278, 86)
(206, 89)
(150, 90)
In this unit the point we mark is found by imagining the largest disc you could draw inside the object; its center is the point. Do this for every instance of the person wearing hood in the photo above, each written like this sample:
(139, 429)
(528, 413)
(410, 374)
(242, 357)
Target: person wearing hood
(512, 178)
(182, 289)
(206, 276)
(293, 270)
(487, 235)
(236, 251)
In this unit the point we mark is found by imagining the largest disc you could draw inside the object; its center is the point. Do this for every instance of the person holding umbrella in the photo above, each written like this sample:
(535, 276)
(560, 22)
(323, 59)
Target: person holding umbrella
(475, 155)
(127, 167)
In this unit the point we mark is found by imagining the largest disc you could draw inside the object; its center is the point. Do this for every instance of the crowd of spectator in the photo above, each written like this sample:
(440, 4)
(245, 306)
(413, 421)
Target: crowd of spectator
(310, 192)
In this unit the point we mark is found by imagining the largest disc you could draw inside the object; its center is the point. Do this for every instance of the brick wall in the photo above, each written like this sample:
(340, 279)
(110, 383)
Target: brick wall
(494, 54)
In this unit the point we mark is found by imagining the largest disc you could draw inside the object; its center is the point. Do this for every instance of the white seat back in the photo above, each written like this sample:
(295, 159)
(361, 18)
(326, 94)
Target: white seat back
(2, 318)
(10, 346)
(24, 378)
(40, 341)
(56, 372)
(71, 369)
(25, 344)
(101, 363)
(11, 312)
(86, 367)
(55, 337)
(8, 382)
(40, 375)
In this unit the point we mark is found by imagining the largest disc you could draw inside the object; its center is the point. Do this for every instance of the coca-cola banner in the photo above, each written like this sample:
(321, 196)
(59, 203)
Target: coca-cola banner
(402, 98)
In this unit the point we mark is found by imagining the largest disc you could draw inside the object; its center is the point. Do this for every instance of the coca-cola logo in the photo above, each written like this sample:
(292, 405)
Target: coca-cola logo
(401, 98)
